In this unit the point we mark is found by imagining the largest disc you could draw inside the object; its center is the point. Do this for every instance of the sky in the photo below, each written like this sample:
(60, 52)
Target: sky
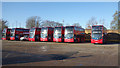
(70, 12)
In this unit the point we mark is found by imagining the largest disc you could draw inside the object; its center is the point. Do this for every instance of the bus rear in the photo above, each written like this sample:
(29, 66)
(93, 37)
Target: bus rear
(58, 35)
(97, 34)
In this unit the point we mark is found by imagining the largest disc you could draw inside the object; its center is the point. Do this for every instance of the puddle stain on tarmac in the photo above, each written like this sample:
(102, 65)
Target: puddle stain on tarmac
(28, 57)
(44, 48)
(86, 56)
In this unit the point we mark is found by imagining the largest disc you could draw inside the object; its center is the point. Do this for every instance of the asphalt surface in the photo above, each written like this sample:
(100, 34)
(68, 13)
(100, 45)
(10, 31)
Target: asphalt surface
(25, 53)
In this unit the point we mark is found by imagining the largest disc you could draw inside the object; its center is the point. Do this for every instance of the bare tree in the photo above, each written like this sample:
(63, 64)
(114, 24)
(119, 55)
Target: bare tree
(119, 17)
(102, 21)
(76, 24)
(114, 23)
(50, 23)
(91, 22)
(34, 21)
(3, 23)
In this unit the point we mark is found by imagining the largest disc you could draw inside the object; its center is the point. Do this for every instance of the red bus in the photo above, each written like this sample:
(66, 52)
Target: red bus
(25, 36)
(58, 35)
(46, 34)
(6, 34)
(26, 32)
(74, 34)
(98, 34)
(17, 33)
(35, 34)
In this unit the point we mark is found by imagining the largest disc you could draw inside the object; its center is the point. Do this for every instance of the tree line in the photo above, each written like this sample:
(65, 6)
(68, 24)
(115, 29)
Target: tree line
(3, 24)
(115, 23)
(36, 21)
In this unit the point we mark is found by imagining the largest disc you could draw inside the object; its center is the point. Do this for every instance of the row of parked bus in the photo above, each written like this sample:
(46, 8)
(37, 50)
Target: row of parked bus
(56, 34)
(14, 33)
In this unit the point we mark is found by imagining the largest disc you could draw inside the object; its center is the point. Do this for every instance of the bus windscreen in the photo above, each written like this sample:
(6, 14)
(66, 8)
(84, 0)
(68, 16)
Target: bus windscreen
(44, 32)
(32, 33)
(96, 27)
(97, 32)
(13, 32)
(69, 32)
(4, 33)
(57, 32)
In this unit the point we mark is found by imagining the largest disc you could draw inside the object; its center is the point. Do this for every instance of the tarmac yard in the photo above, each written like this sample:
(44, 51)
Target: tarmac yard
(25, 53)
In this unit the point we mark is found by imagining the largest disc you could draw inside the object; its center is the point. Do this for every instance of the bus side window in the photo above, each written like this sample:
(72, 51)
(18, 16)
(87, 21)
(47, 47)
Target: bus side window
(21, 35)
(75, 36)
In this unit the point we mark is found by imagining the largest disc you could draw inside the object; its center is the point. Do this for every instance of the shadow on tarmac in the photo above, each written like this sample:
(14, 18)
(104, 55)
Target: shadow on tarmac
(19, 57)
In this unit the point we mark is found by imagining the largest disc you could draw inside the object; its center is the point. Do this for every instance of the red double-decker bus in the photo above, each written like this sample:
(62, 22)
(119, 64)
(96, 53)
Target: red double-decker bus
(26, 32)
(74, 34)
(58, 35)
(46, 34)
(35, 34)
(98, 34)
(17, 33)
(6, 34)
(25, 36)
